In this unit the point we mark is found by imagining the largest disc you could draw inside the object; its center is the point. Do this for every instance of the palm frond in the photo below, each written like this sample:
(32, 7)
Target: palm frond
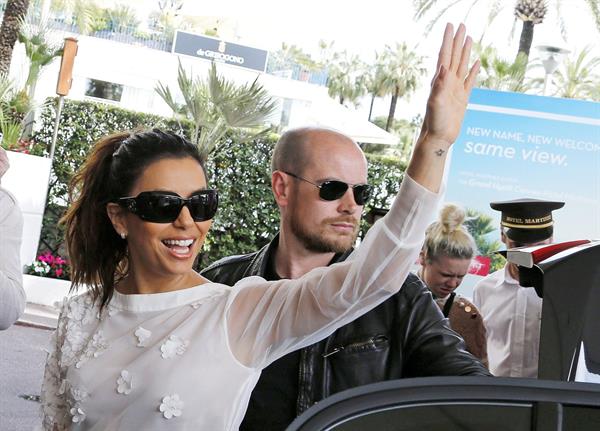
(595, 9)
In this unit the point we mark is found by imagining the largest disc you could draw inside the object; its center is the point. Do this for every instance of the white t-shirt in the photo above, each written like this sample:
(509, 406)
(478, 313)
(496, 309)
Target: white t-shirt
(512, 316)
(189, 359)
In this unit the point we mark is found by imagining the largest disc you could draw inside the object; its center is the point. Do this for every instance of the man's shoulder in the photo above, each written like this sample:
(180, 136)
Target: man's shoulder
(413, 290)
(412, 285)
(490, 279)
(230, 262)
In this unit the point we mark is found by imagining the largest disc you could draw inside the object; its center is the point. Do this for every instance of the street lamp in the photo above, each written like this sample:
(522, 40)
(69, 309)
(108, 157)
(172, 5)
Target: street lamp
(550, 57)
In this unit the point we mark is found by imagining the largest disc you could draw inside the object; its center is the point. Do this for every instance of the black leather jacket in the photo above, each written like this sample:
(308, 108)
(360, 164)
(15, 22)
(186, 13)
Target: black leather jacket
(405, 336)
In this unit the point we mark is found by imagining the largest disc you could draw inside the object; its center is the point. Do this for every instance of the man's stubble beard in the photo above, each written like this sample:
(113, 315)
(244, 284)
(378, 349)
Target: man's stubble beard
(315, 242)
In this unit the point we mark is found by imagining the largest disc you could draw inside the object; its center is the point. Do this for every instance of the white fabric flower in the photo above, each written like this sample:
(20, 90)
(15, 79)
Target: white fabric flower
(77, 414)
(95, 347)
(143, 335)
(171, 406)
(173, 346)
(197, 304)
(78, 394)
(125, 383)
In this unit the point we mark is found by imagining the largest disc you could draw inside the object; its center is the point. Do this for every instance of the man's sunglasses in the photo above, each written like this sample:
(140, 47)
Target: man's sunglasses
(164, 207)
(332, 190)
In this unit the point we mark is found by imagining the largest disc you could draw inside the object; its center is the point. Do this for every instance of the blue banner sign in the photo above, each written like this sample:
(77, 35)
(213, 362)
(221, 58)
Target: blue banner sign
(212, 49)
(514, 145)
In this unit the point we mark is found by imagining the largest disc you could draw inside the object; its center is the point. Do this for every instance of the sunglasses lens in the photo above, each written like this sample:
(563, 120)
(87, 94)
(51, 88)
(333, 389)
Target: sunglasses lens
(158, 208)
(203, 206)
(332, 190)
(362, 193)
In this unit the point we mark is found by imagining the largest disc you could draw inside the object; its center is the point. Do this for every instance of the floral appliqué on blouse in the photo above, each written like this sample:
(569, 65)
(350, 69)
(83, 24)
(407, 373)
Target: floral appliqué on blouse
(173, 346)
(143, 335)
(125, 383)
(171, 406)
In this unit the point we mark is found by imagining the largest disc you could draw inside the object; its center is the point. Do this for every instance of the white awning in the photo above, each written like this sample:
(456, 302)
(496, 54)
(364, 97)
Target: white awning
(326, 112)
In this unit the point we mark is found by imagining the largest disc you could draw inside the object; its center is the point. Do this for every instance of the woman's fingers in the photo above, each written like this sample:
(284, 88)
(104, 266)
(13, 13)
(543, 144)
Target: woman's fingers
(457, 48)
(445, 55)
(465, 56)
(472, 76)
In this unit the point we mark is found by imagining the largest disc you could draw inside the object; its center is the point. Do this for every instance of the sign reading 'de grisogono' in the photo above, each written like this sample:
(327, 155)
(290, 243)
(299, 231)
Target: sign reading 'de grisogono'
(212, 49)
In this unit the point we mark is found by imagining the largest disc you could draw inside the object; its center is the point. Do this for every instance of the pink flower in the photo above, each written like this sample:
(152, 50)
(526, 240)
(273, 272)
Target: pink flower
(59, 272)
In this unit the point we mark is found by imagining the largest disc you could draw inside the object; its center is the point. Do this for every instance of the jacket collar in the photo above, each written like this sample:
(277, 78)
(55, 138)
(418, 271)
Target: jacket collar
(259, 263)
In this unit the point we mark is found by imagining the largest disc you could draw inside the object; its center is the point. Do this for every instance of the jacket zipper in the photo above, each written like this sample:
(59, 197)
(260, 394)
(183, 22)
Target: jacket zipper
(371, 341)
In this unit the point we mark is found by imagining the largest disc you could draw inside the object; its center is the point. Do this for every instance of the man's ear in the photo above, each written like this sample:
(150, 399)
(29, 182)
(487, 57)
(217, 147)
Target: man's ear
(116, 214)
(280, 185)
(503, 237)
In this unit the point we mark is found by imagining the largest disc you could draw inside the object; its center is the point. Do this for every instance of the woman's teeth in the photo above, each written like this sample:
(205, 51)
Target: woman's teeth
(178, 242)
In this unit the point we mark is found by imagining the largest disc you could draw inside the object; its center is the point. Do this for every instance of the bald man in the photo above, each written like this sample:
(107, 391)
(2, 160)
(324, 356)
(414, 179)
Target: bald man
(319, 181)
(12, 295)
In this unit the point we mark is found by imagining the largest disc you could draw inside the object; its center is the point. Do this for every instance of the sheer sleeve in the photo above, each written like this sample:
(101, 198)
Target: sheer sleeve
(55, 414)
(266, 320)
(12, 295)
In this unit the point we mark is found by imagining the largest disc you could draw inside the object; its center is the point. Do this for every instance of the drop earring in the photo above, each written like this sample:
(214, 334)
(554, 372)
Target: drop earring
(123, 235)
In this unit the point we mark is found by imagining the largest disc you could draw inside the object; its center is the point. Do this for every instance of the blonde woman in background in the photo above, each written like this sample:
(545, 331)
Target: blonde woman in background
(445, 260)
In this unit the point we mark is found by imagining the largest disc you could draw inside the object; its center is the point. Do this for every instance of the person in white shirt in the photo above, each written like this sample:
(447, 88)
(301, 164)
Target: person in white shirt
(152, 345)
(12, 295)
(512, 313)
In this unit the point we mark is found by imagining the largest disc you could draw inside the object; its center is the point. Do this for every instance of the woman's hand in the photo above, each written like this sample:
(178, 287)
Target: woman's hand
(450, 88)
(446, 106)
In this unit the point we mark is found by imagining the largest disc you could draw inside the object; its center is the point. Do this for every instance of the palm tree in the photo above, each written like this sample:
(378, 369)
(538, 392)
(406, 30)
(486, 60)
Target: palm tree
(375, 82)
(530, 12)
(216, 106)
(346, 78)
(402, 74)
(85, 14)
(479, 225)
(500, 74)
(576, 78)
(595, 91)
(14, 14)
(39, 49)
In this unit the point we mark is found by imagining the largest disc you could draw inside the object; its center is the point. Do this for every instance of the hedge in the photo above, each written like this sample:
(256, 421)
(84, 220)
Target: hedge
(247, 216)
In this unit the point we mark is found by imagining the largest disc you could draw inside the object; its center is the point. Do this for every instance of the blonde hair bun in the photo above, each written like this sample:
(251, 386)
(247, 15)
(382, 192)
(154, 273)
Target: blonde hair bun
(451, 218)
(448, 236)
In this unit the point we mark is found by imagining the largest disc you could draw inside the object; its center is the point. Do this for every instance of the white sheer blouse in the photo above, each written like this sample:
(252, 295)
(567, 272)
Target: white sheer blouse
(189, 359)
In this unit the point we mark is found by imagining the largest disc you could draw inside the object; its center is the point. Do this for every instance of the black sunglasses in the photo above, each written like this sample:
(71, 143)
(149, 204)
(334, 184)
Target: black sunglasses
(164, 207)
(333, 189)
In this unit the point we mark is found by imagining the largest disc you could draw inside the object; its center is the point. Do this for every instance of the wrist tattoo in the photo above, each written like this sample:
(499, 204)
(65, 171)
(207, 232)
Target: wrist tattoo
(440, 152)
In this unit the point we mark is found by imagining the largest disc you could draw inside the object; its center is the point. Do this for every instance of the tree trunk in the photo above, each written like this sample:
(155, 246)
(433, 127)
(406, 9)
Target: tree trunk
(15, 11)
(392, 112)
(526, 38)
(371, 107)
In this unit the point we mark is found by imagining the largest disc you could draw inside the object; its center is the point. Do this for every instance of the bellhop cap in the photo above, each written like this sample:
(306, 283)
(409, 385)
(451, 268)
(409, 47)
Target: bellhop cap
(527, 220)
